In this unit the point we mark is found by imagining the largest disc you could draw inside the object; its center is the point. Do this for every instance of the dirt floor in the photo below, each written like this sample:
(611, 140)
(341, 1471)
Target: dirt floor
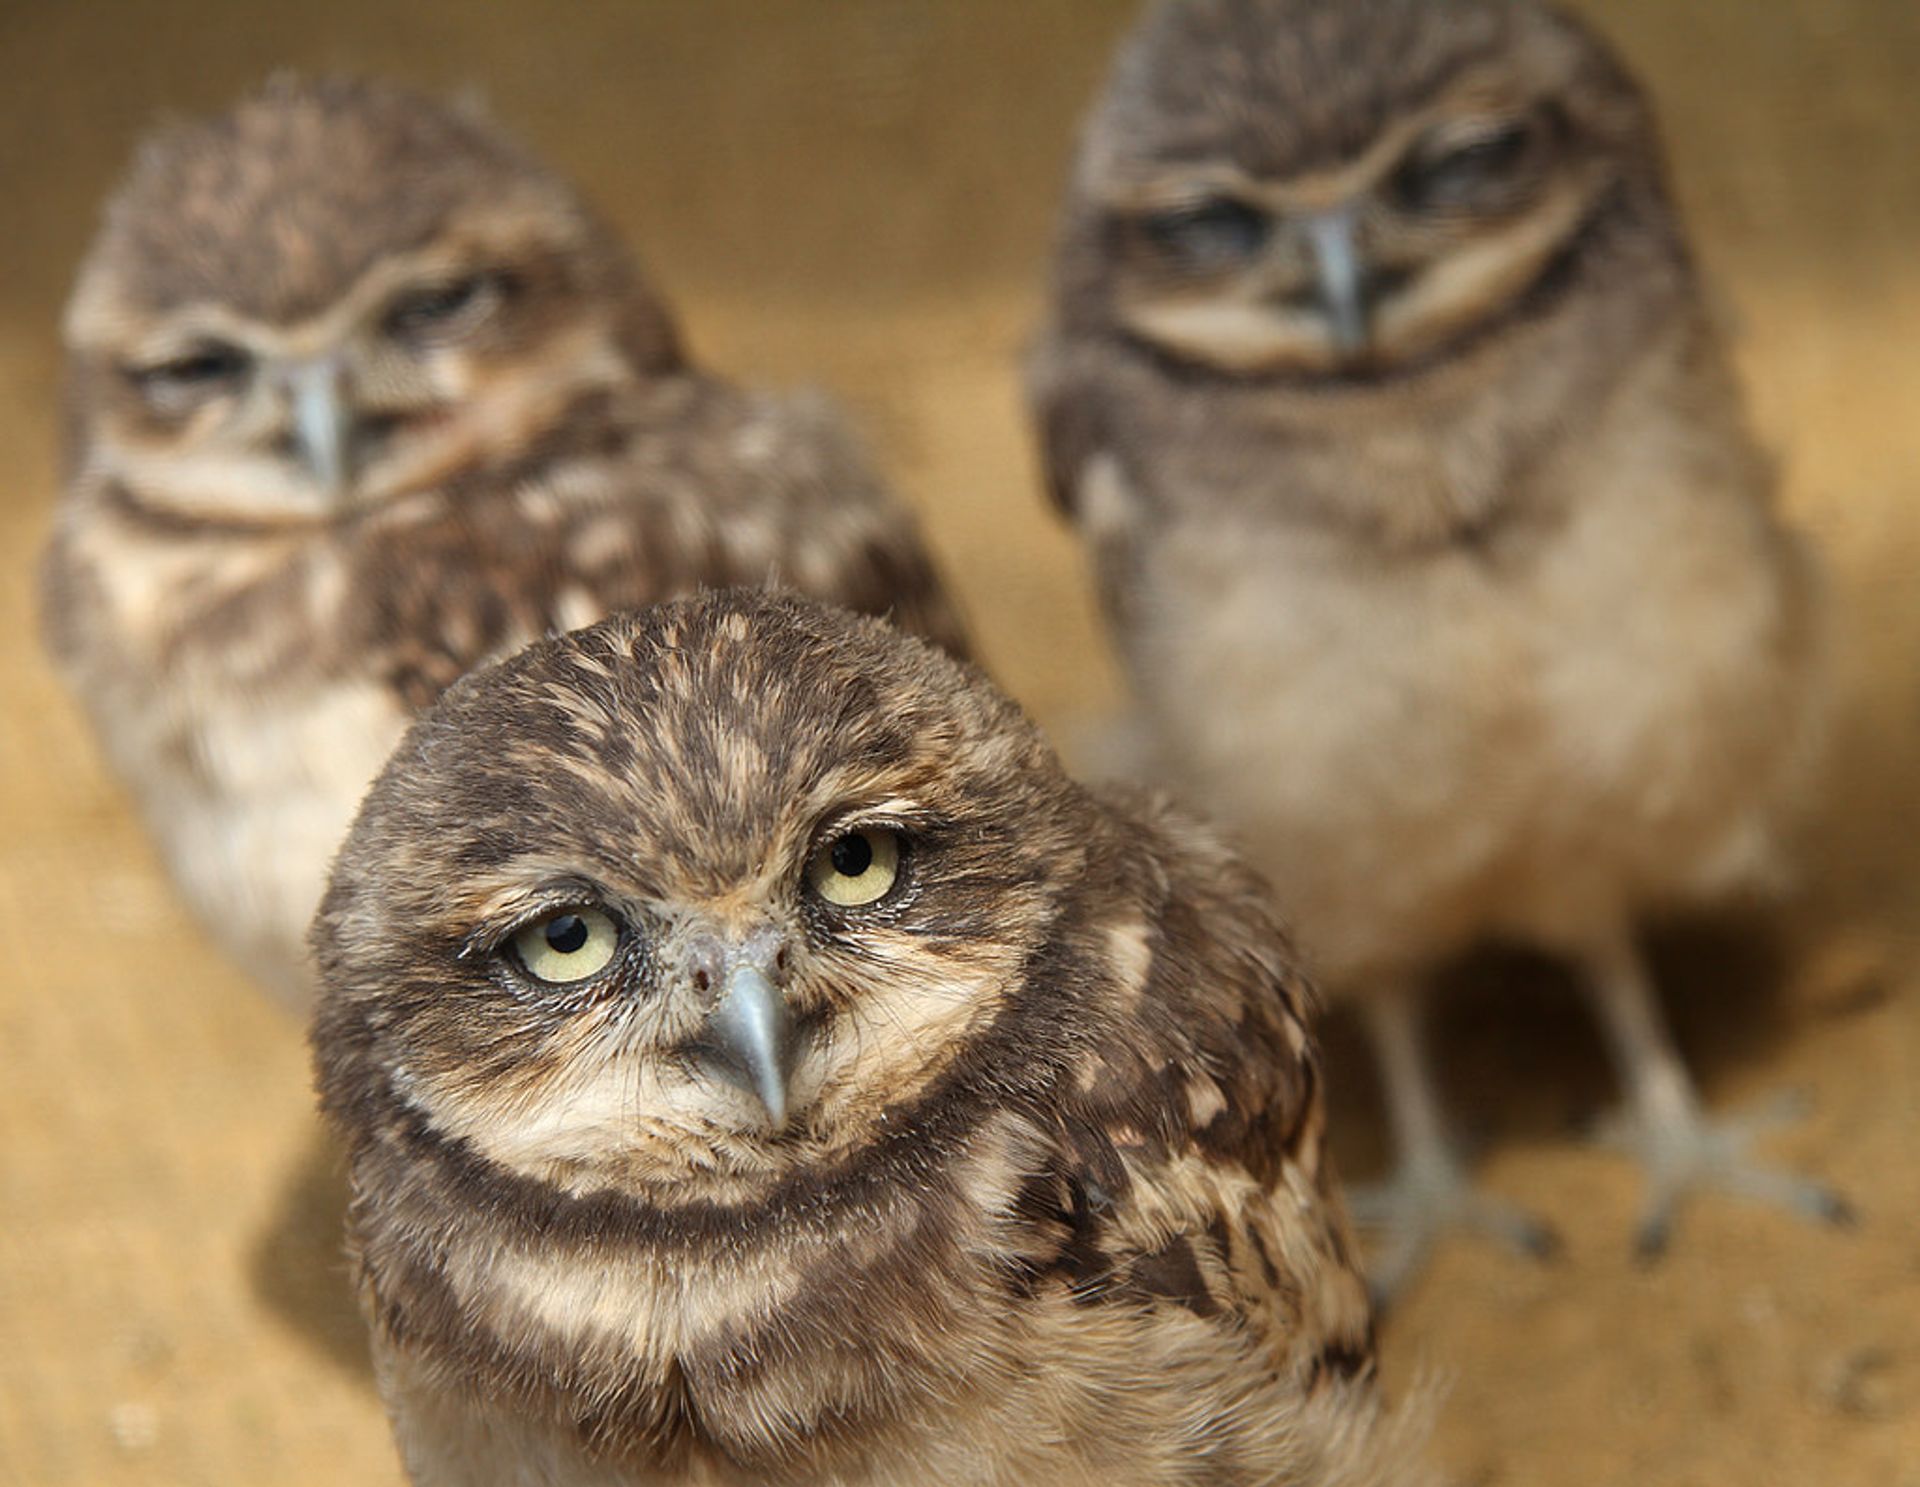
(858, 193)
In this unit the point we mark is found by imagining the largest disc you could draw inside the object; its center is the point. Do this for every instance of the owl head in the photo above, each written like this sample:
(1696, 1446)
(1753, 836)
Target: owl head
(335, 293)
(1326, 189)
(696, 902)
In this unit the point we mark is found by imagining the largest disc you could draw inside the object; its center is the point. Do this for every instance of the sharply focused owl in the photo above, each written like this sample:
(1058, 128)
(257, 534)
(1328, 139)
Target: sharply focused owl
(1381, 383)
(760, 1064)
(360, 394)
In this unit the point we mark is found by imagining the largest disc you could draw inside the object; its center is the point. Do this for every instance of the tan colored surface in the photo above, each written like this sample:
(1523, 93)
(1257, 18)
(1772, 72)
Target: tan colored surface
(858, 192)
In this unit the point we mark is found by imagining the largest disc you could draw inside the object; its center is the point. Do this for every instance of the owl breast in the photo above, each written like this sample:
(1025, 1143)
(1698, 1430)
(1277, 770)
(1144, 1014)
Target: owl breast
(250, 805)
(1426, 748)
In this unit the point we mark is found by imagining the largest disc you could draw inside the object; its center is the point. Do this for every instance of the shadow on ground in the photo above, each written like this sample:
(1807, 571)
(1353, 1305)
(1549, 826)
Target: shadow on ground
(298, 1267)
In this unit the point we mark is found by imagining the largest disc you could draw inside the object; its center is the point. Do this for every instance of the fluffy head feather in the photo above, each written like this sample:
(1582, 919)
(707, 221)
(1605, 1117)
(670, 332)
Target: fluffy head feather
(336, 292)
(1313, 188)
(683, 771)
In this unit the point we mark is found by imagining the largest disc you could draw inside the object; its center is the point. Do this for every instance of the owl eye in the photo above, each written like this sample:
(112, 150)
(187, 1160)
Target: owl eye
(206, 368)
(437, 309)
(1211, 233)
(569, 947)
(856, 869)
(1442, 175)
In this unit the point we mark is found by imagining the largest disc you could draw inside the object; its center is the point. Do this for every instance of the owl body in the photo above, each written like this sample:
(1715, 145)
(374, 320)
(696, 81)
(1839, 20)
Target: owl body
(1029, 1184)
(270, 556)
(1382, 385)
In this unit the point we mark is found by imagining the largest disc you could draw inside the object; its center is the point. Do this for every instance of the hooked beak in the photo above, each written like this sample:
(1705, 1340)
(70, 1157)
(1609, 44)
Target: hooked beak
(1343, 291)
(749, 1033)
(323, 423)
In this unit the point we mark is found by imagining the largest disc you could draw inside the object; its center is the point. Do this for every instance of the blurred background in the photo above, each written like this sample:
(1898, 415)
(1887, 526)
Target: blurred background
(859, 194)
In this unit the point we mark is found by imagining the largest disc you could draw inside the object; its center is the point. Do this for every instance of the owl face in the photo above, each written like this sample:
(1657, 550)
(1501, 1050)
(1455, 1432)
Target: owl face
(333, 295)
(1319, 188)
(683, 903)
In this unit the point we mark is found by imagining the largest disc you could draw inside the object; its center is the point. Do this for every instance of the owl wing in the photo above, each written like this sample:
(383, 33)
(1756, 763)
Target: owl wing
(1068, 423)
(636, 500)
(1086, 472)
(889, 573)
(843, 537)
(1194, 1174)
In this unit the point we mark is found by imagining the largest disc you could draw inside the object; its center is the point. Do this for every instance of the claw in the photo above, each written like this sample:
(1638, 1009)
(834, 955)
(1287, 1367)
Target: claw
(1686, 1153)
(1837, 1211)
(1536, 1238)
(1651, 1239)
(1419, 1204)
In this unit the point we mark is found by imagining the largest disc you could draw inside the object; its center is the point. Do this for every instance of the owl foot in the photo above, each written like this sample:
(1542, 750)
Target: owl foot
(1423, 1201)
(1685, 1152)
(1663, 1125)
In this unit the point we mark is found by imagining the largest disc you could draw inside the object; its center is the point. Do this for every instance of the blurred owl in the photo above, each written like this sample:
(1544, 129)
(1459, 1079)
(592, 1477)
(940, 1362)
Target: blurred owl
(360, 395)
(760, 1064)
(1382, 385)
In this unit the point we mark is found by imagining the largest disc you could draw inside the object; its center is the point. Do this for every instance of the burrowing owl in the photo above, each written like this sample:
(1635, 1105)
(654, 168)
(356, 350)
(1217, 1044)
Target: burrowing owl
(1380, 381)
(360, 395)
(761, 1064)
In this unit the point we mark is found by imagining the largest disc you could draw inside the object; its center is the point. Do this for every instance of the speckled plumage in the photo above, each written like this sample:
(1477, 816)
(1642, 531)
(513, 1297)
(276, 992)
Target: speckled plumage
(1048, 1201)
(1470, 611)
(360, 396)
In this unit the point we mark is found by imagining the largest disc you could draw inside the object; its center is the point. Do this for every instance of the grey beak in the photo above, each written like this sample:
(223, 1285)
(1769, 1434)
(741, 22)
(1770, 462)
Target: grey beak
(1343, 289)
(749, 1034)
(323, 422)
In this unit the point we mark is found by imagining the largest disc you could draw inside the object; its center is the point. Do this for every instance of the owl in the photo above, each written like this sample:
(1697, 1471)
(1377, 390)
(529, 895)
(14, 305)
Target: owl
(360, 395)
(761, 1064)
(1380, 380)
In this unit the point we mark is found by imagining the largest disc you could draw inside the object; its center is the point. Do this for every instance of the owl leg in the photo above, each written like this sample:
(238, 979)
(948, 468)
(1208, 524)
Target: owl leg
(1430, 1190)
(1663, 1125)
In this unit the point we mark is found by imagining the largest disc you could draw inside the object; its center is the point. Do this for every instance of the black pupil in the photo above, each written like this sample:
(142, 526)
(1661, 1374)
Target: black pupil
(1211, 231)
(852, 856)
(567, 933)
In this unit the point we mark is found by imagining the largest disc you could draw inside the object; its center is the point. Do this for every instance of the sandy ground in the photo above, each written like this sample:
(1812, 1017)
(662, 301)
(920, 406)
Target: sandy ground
(858, 193)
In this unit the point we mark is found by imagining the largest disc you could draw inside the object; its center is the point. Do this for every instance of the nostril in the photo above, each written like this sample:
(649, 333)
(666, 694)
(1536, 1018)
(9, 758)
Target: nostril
(780, 960)
(706, 962)
(1301, 297)
(1384, 283)
(374, 430)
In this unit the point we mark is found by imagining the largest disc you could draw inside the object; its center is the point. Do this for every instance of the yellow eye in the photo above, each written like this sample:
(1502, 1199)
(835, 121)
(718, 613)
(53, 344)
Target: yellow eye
(568, 947)
(856, 869)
